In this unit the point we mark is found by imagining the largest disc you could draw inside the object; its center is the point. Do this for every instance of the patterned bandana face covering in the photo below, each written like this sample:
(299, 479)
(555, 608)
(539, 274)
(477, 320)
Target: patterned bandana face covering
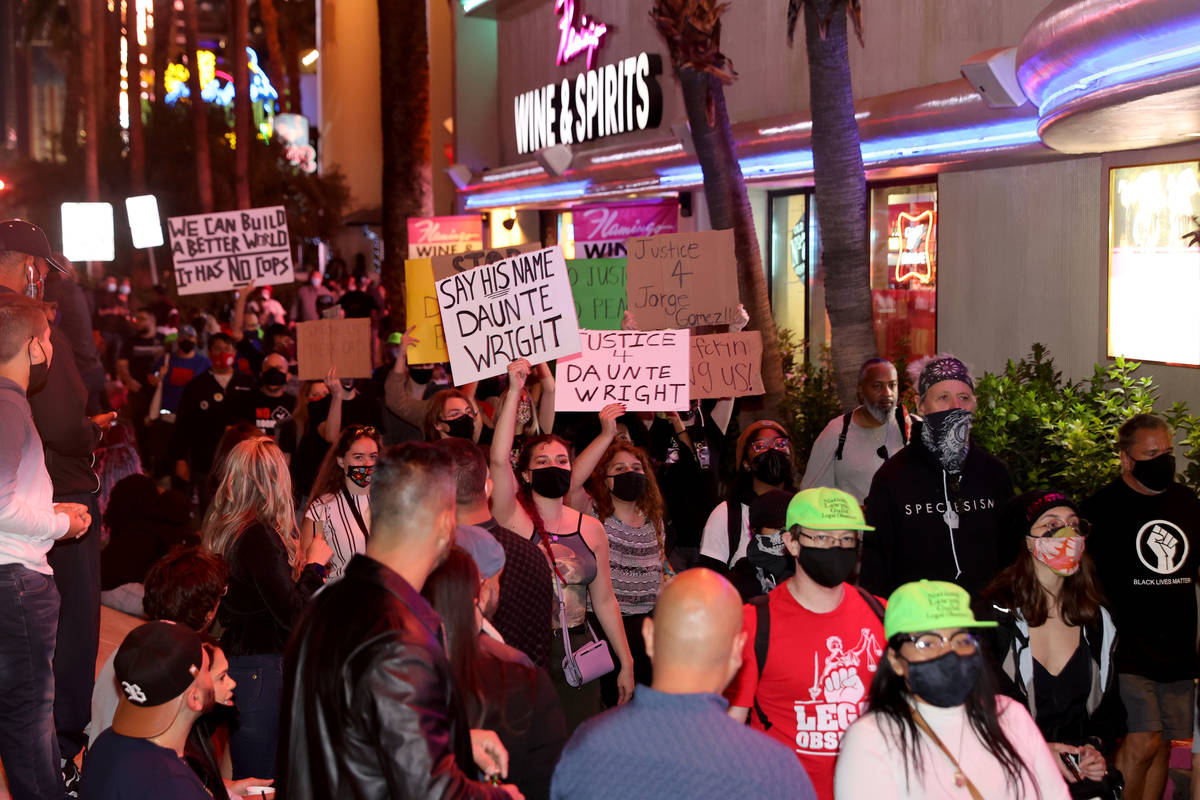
(360, 476)
(943, 369)
(1062, 552)
(946, 434)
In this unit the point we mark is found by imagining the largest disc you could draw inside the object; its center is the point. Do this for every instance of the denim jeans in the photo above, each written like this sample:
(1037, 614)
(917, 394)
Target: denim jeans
(28, 747)
(254, 734)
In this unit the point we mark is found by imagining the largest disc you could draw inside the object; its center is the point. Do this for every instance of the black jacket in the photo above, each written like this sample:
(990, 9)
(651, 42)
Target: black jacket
(69, 435)
(206, 409)
(368, 702)
(911, 539)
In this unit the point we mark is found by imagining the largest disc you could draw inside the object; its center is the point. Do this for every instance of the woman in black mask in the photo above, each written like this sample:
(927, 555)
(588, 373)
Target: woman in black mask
(764, 457)
(935, 726)
(529, 501)
(452, 413)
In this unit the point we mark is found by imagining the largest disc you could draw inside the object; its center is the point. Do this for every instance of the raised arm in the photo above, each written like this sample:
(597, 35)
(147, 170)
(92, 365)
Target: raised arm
(604, 603)
(400, 394)
(331, 428)
(504, 492)
(239, 310)
(723, 410)
(546, 403)
(587, 461)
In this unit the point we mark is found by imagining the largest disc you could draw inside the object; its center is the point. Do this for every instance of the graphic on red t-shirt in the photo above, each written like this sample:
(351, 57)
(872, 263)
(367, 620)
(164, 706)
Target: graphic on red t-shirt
(813, 685)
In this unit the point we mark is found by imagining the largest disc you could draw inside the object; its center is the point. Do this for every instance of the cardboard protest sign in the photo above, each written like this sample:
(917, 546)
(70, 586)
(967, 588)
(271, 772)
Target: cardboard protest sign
(216, 252)
(645, 370)
(445, 266)
(727, 365)
(341, 343)
(434, 236)
(421, 311)
(520, 307)
(682, 280)
(599, 288)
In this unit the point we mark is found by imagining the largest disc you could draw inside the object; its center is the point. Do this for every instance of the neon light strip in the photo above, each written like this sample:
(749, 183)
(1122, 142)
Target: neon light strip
(643, 153)
(537, 194)
(494, 177)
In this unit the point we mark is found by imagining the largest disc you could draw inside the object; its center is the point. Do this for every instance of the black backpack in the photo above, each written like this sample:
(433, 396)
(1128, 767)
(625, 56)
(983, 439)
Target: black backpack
(762, 637)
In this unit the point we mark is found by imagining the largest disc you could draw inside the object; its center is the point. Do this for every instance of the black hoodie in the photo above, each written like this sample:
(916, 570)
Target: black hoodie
(911, 539)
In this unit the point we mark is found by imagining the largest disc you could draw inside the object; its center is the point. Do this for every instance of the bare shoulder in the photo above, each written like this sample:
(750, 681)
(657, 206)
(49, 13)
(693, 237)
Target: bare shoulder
(592, 530)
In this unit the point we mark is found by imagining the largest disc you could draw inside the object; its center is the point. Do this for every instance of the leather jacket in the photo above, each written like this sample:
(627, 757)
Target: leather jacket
(369, 708)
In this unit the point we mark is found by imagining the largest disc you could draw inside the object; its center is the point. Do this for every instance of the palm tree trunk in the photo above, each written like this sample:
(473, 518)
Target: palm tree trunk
(204, 187)
(164, 24)
(73, 98)
(137, 138)
(729, 207)
(270, 21)
(243, 126)
(291, 60)
(87, 83)
(404, 99)
(841, 193)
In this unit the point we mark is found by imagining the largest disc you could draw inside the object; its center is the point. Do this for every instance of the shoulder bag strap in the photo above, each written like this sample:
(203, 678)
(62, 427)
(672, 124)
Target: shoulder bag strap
(872, 602)
(837, 456)
(923, 725)
(362, 526)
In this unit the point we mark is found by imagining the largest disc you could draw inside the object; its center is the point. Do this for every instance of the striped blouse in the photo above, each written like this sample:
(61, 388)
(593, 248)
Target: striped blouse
(342, 533)
(635, 562)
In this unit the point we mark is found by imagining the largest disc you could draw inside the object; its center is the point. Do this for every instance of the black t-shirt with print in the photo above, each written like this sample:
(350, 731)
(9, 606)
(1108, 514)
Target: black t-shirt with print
(1145, 549)
(270, 412)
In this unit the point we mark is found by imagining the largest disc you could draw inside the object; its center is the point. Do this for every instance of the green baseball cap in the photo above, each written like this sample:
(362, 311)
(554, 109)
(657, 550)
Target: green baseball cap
(929, 605)
(826, 509)
(395, 337)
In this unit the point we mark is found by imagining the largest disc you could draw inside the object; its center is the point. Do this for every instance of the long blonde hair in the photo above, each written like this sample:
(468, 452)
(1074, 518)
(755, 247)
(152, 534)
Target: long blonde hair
(255, 488)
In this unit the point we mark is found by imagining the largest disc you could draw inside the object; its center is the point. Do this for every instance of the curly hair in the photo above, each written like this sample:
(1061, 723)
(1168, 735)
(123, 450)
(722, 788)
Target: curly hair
(650, 503)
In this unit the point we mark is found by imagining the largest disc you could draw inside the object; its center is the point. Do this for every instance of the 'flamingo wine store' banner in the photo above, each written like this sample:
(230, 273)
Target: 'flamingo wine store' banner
(601, 231)
(440, 236)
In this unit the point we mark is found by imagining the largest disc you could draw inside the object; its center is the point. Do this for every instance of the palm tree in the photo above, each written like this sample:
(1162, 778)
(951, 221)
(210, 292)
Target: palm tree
(839, 184)
(270, 21)
(243, 126)
(87, 81)
(692, 31)
(137, 138)
(404, 99)
(204, 188)
(164, 24)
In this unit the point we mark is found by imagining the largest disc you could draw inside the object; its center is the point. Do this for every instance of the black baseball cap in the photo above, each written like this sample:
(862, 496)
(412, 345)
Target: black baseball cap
(19, 236)
(154, 666)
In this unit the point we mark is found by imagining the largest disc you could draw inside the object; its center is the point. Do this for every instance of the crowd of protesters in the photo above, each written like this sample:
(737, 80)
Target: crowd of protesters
(396, 587)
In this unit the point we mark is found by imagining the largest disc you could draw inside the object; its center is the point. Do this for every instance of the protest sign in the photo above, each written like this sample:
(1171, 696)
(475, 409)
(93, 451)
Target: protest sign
(216, 252)
(645, 370)
(341, 343)
(520, 307)
(435, 236)
(601, 231)
(727, 365)
(445, 266)
(682, 280)
(421, 311)
(598, 285)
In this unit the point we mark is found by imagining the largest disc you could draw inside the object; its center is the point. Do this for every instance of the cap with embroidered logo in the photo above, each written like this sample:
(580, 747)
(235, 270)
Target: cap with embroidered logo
(926, 605)
(154, 666)
(826, 509)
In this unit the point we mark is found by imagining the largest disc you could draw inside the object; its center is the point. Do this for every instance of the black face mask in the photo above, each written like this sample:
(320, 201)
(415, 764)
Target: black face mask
(946, 680)
(274, 378)
(629, 486)
(460, 428)
(828, 566)
(550, 482)
(773, 467)
(420, 376)
(186, 346)
(1157, 473)
(38, 374)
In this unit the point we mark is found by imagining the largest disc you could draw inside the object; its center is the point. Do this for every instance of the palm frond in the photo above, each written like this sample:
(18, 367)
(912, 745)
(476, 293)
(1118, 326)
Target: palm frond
(1193, 238)
(853, 11)
(692, 31)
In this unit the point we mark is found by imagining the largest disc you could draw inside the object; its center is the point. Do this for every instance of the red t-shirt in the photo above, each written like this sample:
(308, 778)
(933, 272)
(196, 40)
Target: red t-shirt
(819, 667)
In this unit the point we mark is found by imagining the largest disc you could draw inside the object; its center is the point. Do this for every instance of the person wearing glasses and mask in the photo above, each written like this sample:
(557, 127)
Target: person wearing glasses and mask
(934, 726)
(764, 456)
(813, 643)
(452, 414)
(340, 508)
(1055, 642)
(854, 446)
(936, 504)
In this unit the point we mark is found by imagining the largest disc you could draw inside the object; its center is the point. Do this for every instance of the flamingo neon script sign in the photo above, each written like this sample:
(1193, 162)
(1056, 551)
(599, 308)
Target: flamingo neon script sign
(573, 40)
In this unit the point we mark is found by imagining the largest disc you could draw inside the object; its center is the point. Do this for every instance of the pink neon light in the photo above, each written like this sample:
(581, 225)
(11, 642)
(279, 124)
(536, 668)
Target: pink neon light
(575, 40)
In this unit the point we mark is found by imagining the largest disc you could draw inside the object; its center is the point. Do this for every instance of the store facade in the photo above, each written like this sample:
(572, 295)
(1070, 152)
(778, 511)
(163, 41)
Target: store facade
(983, 239)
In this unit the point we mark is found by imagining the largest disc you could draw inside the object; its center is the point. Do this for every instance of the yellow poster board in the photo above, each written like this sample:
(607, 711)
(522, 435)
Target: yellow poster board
(422, 311)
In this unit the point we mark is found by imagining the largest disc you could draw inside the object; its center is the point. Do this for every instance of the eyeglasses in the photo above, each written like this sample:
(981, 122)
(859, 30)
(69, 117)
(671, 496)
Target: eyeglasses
(782, 443)
(825, 540)
(1052, 526)
(963, 642)
(459, 414)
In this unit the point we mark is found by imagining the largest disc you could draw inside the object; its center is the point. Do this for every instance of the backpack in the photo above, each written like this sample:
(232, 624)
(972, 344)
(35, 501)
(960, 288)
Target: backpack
(762, 637)
(901, 421)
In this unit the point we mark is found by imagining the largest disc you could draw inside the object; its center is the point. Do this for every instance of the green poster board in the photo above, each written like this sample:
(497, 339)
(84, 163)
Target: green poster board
(598, 285)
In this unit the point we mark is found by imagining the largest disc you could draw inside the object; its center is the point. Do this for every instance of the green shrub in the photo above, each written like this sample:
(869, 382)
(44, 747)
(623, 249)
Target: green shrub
(1063, 435)
(810, 396)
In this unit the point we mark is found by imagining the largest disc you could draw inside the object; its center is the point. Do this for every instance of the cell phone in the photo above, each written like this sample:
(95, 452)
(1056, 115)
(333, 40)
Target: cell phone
(1072, 763)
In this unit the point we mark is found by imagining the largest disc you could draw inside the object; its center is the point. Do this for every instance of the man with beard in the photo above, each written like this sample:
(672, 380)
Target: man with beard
(936, 504)
(369, 703)
(163, 671)
(853, 446)
(812, 644)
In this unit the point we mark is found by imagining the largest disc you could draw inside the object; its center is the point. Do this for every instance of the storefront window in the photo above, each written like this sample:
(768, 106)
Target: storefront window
(790, 259)
(904, 269)
(1153, 276)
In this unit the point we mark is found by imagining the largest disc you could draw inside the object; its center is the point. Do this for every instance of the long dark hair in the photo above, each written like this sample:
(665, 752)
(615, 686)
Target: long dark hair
(1017, 588)
(452, 590)
(524, 490)
(330, 477)
(890, 697)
